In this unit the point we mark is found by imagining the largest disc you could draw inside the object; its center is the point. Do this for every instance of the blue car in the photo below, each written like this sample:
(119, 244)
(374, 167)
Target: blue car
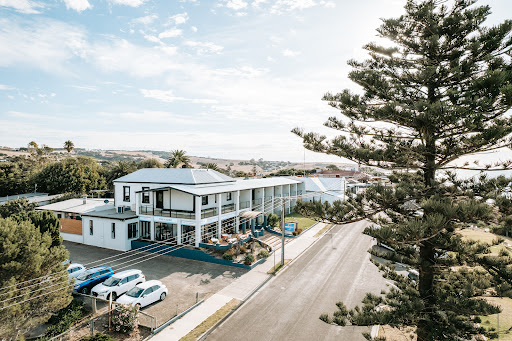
(91, 277)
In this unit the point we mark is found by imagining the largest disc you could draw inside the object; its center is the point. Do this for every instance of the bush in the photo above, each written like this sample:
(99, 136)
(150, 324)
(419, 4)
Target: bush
(65, 318)
(299, 231)
(272, 219)
(263, 254)
(228, 255)
(98, 337)
(124, 318)
(249, 259)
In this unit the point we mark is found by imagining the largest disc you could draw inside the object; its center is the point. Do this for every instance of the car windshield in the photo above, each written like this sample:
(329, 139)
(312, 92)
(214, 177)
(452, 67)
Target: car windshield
(84, 277)
(134, 292)
(112, 281)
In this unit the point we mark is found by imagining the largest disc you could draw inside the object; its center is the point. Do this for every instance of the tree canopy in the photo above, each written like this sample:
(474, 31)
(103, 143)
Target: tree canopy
(438, 92)
(178, 159)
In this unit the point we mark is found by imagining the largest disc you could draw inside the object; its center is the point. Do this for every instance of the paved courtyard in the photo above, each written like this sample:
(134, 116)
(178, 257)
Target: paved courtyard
(184, 278)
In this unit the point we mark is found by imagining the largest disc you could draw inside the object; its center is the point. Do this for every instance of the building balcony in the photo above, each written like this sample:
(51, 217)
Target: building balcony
(228, 208)
(165, 212)
(256, 202)
(244, 204)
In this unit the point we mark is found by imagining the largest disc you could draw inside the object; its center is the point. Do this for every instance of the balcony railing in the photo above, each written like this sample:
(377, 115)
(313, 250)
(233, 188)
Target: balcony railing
(244, 204)
(256, 202)
(164, 212)
(228, 208)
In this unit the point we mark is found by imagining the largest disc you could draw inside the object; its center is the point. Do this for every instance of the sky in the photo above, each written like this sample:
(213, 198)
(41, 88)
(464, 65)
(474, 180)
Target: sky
(219, 78)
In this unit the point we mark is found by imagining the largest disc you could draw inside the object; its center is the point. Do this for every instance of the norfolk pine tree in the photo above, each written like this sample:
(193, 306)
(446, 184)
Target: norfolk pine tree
(439, 92)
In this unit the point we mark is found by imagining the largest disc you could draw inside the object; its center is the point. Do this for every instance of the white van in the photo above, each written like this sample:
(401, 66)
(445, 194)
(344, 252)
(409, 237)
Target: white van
(118, 284)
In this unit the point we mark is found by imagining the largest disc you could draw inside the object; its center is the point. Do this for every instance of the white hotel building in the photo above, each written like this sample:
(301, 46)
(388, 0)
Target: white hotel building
(182, 206)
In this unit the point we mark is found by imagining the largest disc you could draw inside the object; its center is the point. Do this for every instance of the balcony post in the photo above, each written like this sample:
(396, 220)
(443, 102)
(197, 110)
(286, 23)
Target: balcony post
(180, 231)
(219, 214)
(237, 210)
(198, 201)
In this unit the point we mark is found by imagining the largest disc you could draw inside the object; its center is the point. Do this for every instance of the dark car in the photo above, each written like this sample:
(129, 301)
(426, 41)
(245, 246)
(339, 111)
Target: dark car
(91, 277)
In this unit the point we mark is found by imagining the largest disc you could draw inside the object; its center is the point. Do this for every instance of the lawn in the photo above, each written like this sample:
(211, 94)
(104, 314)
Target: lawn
(491, 321)
(210, 321)
(303, 222)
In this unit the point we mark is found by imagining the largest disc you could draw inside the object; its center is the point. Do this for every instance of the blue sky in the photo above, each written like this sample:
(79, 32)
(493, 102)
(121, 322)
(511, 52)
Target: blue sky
(220, 78)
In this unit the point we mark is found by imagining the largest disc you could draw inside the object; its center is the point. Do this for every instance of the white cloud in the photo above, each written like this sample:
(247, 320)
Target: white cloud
(152, 39)
(290, 53)
(146, 20)
(6, 87)
(179, 19)
(270, 59)
(236, 4)
(170, 50)
(204, 47)
(131, 3)
(193, 28)
(83, 87)
(257, 3)
(43, 44)
(172, 33)
(77, 5)
(122, 56)
(168, 96)
(22, 6)
(281, 6)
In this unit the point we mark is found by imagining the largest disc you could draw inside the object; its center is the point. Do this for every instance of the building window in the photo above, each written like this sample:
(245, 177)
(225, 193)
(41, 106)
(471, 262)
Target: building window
(166, 232)
(59, 215)
(160, 199)
(204, 200)
(145, 195)
(132, 230)
(126, 193)
(145, 229)
(91, 228)
(230, 196)
(113, 231)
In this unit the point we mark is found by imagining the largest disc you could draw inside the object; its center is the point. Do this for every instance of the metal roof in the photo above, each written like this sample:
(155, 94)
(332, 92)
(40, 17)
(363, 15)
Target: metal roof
(238, 185)
(111, 214)
(77, 205)
(183, 176)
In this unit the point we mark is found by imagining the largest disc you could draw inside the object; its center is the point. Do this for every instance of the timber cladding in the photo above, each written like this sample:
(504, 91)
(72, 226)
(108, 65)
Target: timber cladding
(71, 226)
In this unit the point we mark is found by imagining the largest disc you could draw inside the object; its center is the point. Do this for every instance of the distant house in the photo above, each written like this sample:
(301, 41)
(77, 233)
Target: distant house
(347, 174)
(33, 197)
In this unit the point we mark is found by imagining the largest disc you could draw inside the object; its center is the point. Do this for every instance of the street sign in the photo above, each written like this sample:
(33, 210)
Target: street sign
(289, 227)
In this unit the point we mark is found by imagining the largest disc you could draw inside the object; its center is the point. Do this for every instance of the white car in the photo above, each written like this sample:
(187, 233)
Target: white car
(75, 269)
(118, 284)
(144, 294)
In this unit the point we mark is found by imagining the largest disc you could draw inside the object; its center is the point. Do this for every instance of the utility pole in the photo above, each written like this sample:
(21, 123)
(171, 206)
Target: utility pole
(282, 230)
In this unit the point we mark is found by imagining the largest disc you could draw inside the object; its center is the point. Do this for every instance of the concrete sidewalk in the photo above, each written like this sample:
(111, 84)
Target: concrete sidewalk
(239, 289)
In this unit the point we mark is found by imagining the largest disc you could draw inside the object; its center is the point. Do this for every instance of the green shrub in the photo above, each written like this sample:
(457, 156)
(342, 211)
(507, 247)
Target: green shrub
(263, 254)
(227, 255)
(249, 259)
(124, 318)
(98, 337)
(272, 219)
(66, 318)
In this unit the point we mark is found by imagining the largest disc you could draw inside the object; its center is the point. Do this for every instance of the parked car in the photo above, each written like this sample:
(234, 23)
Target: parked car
(75, 269)
(118, 284)
(89, 278)
(413, 274)
(144, 294)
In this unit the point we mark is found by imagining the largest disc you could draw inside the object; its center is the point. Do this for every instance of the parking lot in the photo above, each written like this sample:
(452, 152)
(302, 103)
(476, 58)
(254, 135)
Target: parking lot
(184, 278)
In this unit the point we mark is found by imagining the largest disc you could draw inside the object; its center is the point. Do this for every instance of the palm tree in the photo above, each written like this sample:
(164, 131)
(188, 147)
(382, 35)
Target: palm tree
(177, 159)
(210, 165)
(69, 146)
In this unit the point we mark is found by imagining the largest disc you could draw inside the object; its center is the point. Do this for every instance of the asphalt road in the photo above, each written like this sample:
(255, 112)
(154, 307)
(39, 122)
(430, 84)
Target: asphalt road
(336, 268)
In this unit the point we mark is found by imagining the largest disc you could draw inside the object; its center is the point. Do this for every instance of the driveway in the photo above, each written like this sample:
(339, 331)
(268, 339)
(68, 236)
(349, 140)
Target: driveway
(185, 279)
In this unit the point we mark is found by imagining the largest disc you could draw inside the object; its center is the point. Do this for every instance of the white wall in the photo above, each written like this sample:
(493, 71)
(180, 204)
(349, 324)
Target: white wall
(102, 236)
(183, 201)
(72, 237)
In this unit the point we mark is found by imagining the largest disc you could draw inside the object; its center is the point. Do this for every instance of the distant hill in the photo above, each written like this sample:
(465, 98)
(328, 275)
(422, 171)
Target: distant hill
(262, 166)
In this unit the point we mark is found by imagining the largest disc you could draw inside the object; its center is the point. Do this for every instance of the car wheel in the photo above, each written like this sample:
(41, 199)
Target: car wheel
(162, 296)
(114, 296)
(84, 291)
(138, 306)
